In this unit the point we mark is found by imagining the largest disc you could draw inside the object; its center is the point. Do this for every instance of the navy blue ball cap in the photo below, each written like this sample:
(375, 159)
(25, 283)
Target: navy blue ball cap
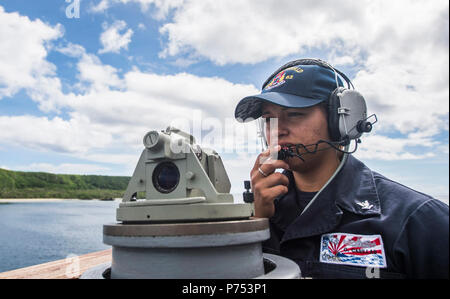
(295, 87)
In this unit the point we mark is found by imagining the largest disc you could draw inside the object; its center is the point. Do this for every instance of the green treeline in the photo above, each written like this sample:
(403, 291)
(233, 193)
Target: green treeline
(20, 184)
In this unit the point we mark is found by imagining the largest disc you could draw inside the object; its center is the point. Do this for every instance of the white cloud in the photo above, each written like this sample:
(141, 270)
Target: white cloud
(76, 135)
(238, 169)
(403, 72)
(121, 159)
(23, 63)
(162, 6)
(256, 30)
(72, 50)
(444, 149)
(92, 73)
(113, 40)
(149, 101)
(98, 75)
(378, 147)
(399, 49)
(117, 111)
(100, 7)
(65, 168)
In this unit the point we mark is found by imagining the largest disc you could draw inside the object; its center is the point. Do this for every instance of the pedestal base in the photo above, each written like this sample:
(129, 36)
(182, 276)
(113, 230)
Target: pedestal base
(226, 249)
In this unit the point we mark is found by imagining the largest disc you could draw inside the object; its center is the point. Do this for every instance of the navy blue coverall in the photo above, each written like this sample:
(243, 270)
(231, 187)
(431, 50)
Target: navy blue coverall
(334, 236)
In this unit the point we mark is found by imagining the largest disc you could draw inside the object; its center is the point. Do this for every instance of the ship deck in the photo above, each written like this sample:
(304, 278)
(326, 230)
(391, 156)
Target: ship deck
(69, 268)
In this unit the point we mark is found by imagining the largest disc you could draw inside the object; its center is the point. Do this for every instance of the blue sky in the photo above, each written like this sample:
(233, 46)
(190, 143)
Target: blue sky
(78, 92)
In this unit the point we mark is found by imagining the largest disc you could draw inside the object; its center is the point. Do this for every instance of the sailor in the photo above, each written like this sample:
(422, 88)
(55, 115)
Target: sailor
(327, 210)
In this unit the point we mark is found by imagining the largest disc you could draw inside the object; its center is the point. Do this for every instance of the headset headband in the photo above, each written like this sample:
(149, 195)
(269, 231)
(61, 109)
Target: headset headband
(310, 61)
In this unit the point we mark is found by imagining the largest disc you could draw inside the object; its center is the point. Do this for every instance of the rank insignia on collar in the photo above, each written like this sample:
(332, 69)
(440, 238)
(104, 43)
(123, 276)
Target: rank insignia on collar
(356, 250)
(364, 205)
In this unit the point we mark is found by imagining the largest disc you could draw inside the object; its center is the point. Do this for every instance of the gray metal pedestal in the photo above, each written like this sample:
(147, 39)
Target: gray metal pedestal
(206, 250)
(276, 267)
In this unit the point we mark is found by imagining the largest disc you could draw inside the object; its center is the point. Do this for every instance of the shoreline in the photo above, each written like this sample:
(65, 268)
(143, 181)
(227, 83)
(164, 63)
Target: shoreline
(444, 199)
(23, 200)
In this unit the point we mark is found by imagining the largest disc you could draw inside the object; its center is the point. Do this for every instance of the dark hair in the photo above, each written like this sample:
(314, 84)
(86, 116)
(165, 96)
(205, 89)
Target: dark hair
(324, 106)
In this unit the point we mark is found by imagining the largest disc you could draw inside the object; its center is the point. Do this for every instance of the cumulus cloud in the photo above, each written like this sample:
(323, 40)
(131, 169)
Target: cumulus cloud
(162, 6)
(113, 40)
(397, 50)
(100, 6)
(401, 66)
(263, 29)
(116, 111)
(91, 71)
(98, 75)
(28, 67)
(149, 101)
(76, 135)
(257, 30)
(378, 147)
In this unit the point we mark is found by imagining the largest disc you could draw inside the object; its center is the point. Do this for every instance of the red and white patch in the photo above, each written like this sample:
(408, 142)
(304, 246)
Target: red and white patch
(356, 250)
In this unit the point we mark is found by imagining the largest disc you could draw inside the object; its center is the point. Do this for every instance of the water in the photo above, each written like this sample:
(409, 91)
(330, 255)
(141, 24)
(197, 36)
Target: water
(33, 233)
(38, 232)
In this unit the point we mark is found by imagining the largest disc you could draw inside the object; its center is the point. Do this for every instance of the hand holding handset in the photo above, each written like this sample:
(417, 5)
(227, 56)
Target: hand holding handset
(266, 184)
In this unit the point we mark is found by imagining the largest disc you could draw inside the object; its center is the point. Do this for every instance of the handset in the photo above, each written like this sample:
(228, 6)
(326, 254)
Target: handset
(284, 153)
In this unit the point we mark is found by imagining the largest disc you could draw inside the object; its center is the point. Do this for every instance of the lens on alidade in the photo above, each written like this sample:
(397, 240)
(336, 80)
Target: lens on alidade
(166, 177)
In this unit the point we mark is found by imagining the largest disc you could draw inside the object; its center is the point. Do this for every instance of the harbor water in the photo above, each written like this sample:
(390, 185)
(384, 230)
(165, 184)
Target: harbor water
(37, 232)
(33, 233)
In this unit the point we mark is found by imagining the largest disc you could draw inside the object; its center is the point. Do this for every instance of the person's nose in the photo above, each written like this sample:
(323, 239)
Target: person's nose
(279, 127)
(282, 128)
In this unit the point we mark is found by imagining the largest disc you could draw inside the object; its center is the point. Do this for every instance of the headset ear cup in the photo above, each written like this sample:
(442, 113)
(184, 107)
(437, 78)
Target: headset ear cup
(333, 117)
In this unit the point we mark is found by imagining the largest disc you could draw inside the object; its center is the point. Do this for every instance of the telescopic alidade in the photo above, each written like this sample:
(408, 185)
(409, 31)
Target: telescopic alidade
(181, 181)
(187, 226)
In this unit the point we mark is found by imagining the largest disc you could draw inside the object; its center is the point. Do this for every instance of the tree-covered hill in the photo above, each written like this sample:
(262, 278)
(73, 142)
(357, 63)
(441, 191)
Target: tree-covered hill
(20, 184)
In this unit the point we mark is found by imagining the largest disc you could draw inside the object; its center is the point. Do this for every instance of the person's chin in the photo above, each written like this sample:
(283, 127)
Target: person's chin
(309, 162)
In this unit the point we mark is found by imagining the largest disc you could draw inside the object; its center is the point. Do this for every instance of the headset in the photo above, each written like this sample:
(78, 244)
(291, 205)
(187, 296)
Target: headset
(347, 110)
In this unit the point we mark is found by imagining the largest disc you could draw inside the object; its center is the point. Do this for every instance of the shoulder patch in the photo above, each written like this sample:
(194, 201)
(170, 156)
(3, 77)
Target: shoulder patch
(356, 250)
